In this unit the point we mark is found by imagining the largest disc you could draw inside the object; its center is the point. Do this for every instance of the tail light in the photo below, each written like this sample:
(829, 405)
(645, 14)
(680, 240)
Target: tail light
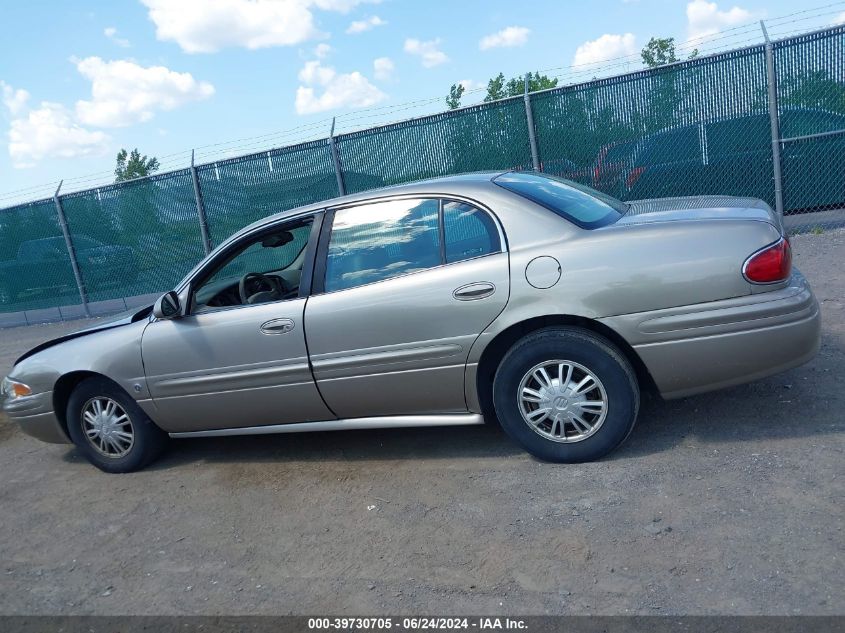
(770, 264)
(634, 176)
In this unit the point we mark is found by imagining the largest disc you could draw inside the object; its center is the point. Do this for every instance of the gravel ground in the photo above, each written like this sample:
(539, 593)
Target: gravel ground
(727, 503)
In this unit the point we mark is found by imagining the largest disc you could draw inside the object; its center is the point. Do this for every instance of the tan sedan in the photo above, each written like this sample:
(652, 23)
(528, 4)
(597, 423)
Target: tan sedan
(515, 297)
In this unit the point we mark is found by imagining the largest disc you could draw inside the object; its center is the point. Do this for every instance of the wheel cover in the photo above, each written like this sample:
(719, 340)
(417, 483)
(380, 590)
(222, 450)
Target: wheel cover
(107, 427)
(562, 401)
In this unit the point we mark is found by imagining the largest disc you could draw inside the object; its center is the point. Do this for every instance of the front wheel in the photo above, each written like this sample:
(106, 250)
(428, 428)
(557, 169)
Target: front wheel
(110, 429)
(566, 395)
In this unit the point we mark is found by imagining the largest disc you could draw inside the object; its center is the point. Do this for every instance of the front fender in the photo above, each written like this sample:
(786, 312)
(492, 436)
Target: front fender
(114, 353)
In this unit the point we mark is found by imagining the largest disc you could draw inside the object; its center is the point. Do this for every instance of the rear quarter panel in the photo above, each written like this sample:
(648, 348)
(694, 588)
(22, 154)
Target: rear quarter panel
(620, 269)
(632, 268)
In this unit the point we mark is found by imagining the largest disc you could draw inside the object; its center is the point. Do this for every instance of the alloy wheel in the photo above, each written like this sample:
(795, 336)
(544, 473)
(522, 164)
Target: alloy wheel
(107, 427)
(562, 401)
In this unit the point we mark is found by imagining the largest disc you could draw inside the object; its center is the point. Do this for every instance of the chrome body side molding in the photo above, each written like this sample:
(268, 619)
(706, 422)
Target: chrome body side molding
(385, 422)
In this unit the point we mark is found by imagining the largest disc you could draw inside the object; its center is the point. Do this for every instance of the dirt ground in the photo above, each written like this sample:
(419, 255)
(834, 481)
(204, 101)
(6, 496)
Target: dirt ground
(727, 503)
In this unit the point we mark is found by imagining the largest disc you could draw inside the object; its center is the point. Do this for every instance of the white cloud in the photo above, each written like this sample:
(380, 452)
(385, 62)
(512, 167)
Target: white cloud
(428, 52)
(123, 93)
(206, 26)
(111, 33)
(382, 68)
(705, 19)
(471, 84)
(608, 46)
(350, 90)
(511, 36)
(48, 132)
(840, 19)
(342, 6)
(14, 99)
(199, 26)
(322, 50)
(359, 26)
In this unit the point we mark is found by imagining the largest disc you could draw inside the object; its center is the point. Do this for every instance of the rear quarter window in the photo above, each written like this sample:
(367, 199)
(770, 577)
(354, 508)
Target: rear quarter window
(469, 232)
(581, 205)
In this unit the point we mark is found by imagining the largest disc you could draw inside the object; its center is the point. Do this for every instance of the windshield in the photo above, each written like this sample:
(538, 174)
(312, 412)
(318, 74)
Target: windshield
(581, 205)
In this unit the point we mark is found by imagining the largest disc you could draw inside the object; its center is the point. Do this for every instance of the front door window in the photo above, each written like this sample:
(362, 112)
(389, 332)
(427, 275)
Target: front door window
(266, 268)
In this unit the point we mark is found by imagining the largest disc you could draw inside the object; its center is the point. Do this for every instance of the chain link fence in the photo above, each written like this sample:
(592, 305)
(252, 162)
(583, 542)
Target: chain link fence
(811, 107)
(766, 121)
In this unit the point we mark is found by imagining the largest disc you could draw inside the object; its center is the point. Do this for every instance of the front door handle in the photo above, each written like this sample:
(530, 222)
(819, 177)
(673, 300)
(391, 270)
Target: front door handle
(276, 326)
(477, 290)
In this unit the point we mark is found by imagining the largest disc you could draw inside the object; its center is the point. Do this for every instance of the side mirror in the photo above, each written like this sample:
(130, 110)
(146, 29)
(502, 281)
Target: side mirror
(167, 306)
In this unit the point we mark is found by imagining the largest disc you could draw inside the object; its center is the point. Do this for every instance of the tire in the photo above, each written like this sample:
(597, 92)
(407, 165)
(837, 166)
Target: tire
(521, 391)
(109, 408)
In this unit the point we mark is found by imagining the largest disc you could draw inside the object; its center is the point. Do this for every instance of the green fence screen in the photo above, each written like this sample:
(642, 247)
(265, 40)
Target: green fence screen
(239, 191)
(702, 126)
(811, 106)
(35, 268)
(488, 136)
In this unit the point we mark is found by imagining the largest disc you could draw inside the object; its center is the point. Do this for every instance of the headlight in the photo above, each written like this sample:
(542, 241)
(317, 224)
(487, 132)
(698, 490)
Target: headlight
(12, 389)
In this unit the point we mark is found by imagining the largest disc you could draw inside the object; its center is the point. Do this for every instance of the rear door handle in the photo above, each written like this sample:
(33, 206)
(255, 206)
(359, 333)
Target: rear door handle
(473, 291)
(276, 326)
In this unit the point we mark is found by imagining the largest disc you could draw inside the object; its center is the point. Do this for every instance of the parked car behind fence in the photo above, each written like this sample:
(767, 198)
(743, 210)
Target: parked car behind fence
(34, 271)
(732, 156)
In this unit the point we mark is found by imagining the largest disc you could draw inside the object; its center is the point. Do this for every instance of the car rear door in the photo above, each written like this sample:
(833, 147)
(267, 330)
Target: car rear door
(402, 289)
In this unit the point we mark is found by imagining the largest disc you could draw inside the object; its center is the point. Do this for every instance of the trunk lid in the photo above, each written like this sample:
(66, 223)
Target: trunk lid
(700, 208)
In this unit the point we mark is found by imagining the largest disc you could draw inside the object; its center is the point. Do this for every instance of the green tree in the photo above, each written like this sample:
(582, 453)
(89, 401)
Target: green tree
(498, 88)
(661, 51)
(132, 165)
(455, 93)
(536, 81)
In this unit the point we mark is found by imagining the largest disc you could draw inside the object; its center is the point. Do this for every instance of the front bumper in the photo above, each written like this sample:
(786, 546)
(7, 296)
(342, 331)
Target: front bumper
(699, 348)
(35, 415)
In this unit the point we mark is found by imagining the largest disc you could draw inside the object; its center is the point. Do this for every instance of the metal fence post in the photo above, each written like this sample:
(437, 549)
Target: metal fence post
(532, 136)
(774, 119)
(206, 239)
(338, 170)
(71, 251)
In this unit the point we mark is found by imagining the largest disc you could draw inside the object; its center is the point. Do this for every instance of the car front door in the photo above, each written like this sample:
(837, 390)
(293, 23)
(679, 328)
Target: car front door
(238, 357)
(402, 289)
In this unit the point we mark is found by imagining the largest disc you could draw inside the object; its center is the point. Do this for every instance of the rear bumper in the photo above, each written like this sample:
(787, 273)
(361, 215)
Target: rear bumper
(35, 415)
(699, 348)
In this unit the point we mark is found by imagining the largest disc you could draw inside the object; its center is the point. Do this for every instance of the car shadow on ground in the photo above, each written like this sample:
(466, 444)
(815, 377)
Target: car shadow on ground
(749, 413)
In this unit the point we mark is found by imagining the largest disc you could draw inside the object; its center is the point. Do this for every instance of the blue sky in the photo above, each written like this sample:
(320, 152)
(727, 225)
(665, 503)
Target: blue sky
(80, 80)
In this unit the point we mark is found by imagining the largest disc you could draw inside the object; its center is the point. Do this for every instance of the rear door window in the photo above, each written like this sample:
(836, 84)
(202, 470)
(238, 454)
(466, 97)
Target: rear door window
(377, 241)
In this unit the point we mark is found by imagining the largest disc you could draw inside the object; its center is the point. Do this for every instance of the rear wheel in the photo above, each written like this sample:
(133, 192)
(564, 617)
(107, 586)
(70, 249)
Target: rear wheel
(566, 395)
(110, 429)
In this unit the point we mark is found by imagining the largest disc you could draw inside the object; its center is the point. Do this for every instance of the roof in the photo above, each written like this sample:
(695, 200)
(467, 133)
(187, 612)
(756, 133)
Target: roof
(459, 183)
